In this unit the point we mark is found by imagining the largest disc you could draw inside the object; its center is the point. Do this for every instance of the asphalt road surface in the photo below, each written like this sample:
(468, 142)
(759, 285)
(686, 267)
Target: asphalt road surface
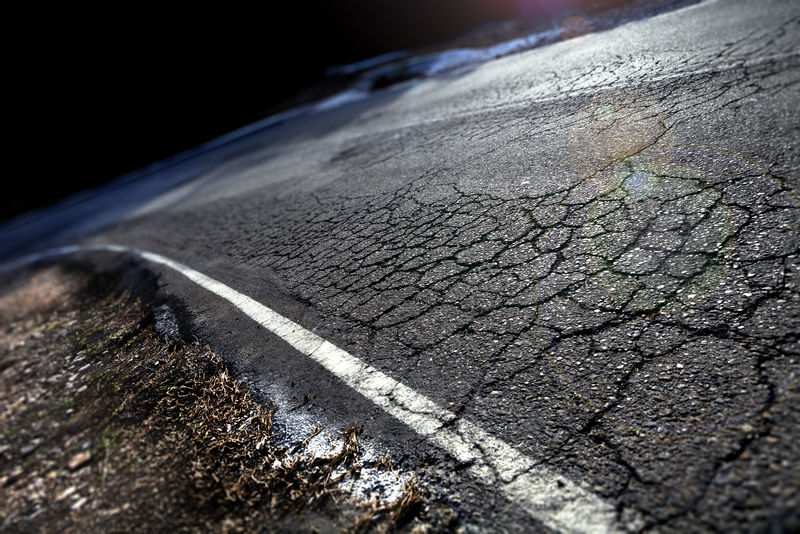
(589, 251)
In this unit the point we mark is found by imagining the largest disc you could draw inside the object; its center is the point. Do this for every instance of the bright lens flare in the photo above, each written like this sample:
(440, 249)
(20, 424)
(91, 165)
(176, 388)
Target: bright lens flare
(614, 127)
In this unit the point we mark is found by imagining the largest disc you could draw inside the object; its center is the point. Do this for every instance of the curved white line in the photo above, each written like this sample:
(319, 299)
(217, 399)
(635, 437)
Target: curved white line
(548, 497)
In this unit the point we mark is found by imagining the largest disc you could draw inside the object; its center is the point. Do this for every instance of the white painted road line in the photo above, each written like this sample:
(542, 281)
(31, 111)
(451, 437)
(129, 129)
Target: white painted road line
(550, 498)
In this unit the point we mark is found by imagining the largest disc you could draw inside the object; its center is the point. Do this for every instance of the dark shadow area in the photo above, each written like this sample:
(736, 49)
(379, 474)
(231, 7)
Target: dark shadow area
(88, 212)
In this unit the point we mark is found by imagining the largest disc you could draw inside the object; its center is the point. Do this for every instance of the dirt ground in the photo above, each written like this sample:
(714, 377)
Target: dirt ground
(106, 426)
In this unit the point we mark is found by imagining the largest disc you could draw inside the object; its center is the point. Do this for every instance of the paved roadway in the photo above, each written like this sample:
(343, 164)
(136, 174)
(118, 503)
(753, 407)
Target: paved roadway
(590, 250)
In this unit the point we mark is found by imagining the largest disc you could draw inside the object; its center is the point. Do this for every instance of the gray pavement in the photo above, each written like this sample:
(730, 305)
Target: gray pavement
(589, 249)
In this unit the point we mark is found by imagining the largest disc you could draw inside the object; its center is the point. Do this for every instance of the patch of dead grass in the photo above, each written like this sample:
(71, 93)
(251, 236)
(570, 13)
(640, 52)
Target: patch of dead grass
(106, 427)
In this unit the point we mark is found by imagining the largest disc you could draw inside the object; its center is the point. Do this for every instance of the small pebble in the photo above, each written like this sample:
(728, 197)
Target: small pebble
(79, 460)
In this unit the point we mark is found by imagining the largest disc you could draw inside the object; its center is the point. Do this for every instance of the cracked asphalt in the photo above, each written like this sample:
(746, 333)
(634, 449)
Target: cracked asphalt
(589, 249)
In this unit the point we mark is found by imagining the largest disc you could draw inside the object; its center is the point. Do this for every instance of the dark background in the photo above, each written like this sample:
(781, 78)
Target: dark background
(97, 94)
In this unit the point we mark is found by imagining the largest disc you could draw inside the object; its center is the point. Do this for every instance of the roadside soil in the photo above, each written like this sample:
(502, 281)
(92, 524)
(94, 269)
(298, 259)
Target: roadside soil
(107, 426)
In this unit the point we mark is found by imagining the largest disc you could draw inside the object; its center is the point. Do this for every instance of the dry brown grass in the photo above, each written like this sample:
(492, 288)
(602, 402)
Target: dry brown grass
(173, 441)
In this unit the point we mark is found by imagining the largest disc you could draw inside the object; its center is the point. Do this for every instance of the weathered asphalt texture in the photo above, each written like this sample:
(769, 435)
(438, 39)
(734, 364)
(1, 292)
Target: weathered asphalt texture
(590, 249)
